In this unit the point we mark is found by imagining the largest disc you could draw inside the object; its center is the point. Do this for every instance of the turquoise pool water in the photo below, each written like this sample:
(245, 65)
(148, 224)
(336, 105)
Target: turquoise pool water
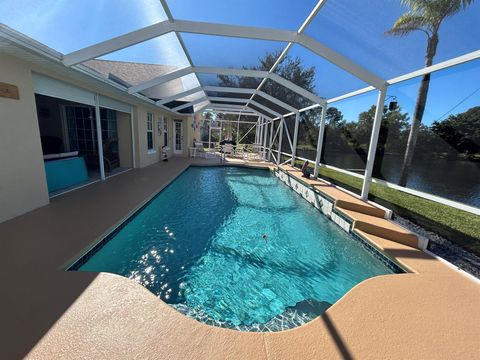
(200, 246)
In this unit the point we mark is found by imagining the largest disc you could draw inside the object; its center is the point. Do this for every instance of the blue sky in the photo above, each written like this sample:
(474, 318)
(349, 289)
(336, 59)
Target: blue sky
(448, 88)
(353, 28)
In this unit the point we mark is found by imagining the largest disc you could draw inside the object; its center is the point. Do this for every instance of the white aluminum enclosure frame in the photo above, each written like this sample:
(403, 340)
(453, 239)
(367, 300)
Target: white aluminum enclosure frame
(290, 37)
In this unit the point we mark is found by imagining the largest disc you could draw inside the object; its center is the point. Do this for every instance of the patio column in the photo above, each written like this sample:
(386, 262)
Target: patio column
(209, 133)
(238, 127)
(321, 134)
(99, 137)
(373, 142)
(132, 129)
(261, 133)
(270, 142)
(295, 138)
(257, 131)
(221, 127)
(260, 136)
(280, 134)
(265, 131)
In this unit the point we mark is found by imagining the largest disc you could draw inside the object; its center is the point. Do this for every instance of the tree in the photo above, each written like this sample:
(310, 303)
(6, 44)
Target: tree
(333, 140)
(461, 131)
(289, 68)
(425, 16)
(393, 125)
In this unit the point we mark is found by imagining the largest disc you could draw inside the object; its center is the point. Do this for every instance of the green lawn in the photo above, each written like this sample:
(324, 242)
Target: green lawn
(456, 225)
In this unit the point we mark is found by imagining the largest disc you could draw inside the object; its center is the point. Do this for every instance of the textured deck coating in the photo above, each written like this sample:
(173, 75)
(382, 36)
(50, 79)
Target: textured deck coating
(48, 313)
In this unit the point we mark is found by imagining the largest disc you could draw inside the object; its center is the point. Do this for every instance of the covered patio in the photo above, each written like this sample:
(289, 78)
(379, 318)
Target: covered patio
(278, 120)
(199, 74)
(84, 315)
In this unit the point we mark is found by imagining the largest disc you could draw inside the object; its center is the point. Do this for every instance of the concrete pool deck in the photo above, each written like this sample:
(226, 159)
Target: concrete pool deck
(48, 313)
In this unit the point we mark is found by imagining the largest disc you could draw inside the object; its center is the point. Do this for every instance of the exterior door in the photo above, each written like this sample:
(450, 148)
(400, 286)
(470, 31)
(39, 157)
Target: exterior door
(178, 137)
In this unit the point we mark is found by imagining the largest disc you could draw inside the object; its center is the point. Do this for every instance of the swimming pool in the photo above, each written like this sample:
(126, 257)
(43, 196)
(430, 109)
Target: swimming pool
(235, 247)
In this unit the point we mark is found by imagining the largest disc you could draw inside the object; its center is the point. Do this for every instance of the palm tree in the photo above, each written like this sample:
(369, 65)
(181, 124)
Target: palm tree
(425, 16)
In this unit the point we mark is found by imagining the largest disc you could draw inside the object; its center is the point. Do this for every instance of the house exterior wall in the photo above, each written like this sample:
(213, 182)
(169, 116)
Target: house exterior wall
(22, 173)
(146, 157)
(23, 185)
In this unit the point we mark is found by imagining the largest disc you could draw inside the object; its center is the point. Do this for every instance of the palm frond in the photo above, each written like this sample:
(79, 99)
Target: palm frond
(436, 9)
(426, 15)
(407, 23)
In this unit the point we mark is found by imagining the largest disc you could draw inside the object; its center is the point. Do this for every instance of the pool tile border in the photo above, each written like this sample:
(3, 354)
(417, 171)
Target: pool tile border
(91, 251)
(319, 201)
(337, 217)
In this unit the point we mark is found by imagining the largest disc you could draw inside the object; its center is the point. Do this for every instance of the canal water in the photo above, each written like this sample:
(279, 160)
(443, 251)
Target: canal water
(455, 180)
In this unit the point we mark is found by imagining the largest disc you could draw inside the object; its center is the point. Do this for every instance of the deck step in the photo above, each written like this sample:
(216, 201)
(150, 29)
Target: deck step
(360, 206)
(340, 198)
(382, 228)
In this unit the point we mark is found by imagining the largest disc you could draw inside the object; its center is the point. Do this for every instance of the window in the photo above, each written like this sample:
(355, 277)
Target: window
(109, 124)
(165, 132)
(82, 129)
(150, 145)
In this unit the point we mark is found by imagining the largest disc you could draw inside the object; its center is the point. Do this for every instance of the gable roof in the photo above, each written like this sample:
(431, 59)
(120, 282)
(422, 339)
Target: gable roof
(132, 73)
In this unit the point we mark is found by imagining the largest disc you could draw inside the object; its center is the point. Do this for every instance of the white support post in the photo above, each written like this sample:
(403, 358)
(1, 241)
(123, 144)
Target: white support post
(265, 132)
(295, 138)
(194, 140)
(259, 130)
(99, 137)
(209, 134)
(270, 142)
(132, 129)
(373, 142)
(321, 135)
(221, 127)
(238, 126)
(280, 140)
(260, 138)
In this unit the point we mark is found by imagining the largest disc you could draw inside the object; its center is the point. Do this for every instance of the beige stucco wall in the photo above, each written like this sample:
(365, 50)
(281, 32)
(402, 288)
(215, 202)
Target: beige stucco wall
(23, 184)
(146, 157)
(22, 174)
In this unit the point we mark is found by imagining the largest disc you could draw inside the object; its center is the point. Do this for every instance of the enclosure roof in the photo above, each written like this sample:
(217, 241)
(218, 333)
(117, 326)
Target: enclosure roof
(173, 50)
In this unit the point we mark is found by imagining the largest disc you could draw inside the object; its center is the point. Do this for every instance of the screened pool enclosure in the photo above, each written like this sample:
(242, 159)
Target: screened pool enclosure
(249, 60)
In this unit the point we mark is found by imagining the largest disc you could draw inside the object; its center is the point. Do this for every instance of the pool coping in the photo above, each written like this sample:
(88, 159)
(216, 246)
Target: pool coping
(373, 251)
(84, 255)
(406, 325)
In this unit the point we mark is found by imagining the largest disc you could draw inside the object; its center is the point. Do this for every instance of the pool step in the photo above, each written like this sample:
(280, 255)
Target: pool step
(365, 217)
(340, 198)
(381, 227)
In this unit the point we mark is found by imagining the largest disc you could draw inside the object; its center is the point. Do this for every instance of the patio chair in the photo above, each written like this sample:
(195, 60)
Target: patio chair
(241, 152)
(208, 154)
(256, 154)
(111, 158)
(227, 149)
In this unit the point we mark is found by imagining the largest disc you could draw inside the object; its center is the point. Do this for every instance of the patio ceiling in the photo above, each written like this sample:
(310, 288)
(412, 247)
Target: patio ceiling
(345, 41)
(179, 27)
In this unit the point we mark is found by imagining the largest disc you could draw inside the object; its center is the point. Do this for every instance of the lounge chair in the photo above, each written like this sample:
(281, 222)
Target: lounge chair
(241, 152)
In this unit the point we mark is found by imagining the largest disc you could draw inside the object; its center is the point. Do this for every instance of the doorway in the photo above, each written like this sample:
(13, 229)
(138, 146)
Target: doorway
(178, 137)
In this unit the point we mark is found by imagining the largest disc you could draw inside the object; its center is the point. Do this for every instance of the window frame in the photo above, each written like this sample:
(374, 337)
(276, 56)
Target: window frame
(150, 133)
(165, 131)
